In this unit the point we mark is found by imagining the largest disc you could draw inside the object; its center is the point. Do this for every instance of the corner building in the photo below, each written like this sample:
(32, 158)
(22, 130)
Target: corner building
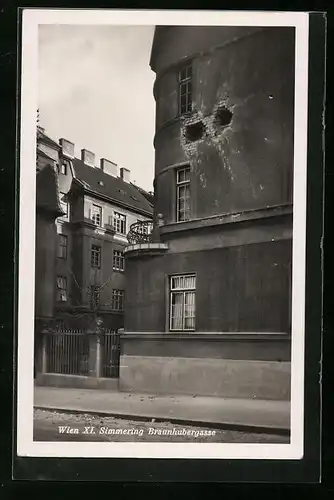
(208, 305)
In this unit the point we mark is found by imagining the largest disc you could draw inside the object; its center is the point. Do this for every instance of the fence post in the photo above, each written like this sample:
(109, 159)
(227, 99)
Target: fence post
(98, 355)
(44, 355)
(94, 361)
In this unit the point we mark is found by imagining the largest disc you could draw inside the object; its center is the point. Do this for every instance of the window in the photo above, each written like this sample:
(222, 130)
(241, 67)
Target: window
(64, 204)
(61, 289)
(95, 296)
(118, 260)
(119, 221)
(182, 302)
(96, 215)
(62, 246)
(63, 169)
(183, 194)
(142, 228)
(117, 300)
(95, 256)
(185, 90)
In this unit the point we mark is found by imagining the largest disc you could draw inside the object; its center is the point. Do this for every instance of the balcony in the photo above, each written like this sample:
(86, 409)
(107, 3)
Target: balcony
(140, 232)
(141, 240)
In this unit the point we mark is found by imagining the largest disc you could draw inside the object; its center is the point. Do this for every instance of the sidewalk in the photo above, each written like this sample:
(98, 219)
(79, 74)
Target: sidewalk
(238, 414)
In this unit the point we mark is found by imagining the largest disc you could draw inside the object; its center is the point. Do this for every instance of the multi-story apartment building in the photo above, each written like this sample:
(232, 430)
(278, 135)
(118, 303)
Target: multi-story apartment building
(208, 308)
(96, 204)
(101, 205)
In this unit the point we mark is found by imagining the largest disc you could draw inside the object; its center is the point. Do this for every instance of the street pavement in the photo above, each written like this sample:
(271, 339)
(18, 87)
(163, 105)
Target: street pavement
(238, 414)
(57, 426)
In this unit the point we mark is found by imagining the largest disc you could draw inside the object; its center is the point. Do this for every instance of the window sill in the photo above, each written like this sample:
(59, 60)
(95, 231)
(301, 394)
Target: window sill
(181, 331)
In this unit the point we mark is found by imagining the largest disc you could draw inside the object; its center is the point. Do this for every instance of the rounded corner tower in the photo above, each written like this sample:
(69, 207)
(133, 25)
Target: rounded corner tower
(212, 292)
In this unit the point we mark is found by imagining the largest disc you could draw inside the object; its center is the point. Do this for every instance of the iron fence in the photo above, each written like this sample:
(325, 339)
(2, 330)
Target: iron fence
(67, 352)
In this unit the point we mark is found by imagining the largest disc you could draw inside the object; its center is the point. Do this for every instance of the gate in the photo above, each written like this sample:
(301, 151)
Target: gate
(110, 350)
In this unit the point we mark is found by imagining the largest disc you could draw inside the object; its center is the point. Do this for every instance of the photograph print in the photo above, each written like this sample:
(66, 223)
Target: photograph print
(162, 232)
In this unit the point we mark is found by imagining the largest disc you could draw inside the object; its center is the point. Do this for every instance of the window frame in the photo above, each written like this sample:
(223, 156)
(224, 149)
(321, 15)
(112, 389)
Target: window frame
(143, 228)
(64, 205)
(99, 213)
(180, 184)
(61, 289)
(184, 291)
(119, 219)
(186, 83)
(62, 246)
(117, 260)
(117, 297)
(95, 251)
(95, 290)
(63, 168)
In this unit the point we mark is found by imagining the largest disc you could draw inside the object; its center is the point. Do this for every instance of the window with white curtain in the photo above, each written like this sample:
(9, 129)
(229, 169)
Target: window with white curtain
(182, 302)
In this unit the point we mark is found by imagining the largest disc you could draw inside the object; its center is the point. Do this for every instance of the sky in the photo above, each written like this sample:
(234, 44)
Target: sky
(96, 90)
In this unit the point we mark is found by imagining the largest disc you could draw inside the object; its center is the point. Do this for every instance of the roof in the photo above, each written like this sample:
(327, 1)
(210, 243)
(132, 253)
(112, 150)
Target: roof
(155, 42)
(42, 153)
(159, 32)
(95, 181)
(41, 136)
(148, 195)
(47, 192)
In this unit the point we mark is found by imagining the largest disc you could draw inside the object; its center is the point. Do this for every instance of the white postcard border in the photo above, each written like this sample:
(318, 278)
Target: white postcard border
(29, 104)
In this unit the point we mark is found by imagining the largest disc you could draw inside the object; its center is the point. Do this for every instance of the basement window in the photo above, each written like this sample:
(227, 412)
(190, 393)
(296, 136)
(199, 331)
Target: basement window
(194, 132)
(223, 117)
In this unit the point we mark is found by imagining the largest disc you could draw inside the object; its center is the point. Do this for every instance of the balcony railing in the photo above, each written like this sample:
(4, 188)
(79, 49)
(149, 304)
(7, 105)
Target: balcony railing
(140, 232)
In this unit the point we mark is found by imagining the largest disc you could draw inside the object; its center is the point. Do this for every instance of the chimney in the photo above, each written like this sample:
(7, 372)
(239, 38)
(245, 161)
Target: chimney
(108, 167)
(67, 147)
(125, 174)
(88, 157)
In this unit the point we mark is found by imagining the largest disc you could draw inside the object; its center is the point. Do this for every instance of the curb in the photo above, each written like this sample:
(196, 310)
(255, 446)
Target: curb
(258, 429)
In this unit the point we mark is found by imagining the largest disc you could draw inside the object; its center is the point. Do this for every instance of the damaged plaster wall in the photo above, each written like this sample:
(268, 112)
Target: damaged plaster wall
(247, 163)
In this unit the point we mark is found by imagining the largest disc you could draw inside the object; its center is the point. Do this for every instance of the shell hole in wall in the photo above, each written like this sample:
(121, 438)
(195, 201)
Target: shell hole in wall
(223, 117)
(194, 132)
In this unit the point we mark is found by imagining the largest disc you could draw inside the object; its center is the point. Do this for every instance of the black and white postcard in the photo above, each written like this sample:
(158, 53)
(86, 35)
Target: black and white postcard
(162, 234)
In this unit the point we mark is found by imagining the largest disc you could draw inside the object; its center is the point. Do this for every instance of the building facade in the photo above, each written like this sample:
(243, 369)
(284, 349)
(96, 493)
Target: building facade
(102, 203)
(48, 210)
(208, 308)
(96, 204)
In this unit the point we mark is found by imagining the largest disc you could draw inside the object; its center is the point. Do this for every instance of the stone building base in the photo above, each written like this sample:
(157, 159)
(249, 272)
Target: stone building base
(76, 381)
(227, 378)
